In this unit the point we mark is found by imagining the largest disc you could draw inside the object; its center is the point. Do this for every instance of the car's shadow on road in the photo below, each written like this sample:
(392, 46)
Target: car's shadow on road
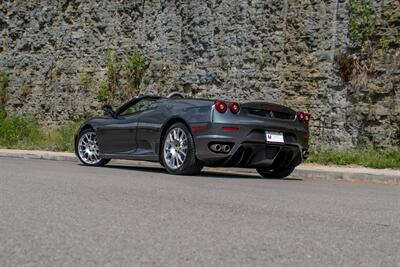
(204, 173)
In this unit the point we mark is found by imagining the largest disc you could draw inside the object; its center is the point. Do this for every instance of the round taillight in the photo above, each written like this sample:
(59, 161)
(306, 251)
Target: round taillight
(234, 107)
(307, 117)
(300, 116)
(221, 106)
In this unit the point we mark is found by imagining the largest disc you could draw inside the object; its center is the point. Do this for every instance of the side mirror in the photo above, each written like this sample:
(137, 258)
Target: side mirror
(108, 110)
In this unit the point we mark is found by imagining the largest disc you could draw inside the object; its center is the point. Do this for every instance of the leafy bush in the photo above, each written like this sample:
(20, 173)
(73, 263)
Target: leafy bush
(103, 94)
(125, 72)
(135, 67)
(26, 133)
(60, 138)
(114, 68)
(17, 131)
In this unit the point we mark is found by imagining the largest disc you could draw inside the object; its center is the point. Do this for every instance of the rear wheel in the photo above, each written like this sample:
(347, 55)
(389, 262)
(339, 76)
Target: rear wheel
(87, 149)
(178, 151)
(275, 173)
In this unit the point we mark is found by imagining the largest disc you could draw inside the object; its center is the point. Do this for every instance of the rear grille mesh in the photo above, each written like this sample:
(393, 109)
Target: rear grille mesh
(271, 114)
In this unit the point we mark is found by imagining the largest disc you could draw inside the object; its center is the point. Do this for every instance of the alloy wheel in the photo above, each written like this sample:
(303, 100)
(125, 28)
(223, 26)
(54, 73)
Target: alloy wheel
(88, 148)
(175, 148)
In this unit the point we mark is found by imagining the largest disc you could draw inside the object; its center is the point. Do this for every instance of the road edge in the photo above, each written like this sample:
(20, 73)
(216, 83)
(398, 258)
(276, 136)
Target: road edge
(302, 172)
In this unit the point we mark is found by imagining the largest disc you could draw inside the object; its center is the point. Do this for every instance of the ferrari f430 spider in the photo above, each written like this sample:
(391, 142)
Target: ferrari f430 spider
(186, 134)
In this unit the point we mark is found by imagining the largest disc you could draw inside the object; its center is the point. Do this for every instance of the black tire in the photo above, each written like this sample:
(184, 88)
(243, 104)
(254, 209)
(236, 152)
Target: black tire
(101, 162)
(275, 174)
(191, 165)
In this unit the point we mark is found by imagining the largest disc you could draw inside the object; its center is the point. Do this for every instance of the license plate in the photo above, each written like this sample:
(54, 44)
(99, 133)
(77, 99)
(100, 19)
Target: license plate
(276, 137)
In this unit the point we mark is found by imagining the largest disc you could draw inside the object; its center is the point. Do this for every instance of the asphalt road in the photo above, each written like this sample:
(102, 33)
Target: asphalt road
(63, 214)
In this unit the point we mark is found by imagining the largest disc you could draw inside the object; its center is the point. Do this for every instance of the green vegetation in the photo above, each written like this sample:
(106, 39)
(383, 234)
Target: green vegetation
(135, 66)
(18, 129)
(397, 136)
(385, 44)
(379, 159)
(371, 36)
(26, 133)
(3, 113)
(362, 24)
(125, 72)
(25, 91)
(114, 68)
(3, 94)
(86, 80)
(369, 29)
(103, 93)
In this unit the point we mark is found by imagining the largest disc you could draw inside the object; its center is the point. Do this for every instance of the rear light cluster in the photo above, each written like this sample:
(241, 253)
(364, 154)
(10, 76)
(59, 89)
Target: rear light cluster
(222, 107)
(303, 116)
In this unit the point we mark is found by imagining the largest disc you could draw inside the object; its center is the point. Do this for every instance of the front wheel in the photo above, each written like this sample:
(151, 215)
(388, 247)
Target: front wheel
(178, 151)
(277, 174)
(87, 149)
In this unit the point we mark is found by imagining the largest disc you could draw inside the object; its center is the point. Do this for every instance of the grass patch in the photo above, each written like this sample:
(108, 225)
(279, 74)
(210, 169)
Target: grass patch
(26, 133)
(379, 159)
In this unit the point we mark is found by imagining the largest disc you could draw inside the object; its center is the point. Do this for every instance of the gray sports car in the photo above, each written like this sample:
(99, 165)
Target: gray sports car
(186, 134)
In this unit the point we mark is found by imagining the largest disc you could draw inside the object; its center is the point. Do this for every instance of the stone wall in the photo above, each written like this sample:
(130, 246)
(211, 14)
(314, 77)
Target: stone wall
(277, 50)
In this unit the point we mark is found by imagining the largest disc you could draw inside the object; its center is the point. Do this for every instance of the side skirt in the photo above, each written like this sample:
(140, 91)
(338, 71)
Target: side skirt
(153, 158)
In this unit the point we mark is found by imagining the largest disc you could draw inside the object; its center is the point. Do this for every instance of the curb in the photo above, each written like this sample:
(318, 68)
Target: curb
(36, 154)
(305, 171)
(346, 176)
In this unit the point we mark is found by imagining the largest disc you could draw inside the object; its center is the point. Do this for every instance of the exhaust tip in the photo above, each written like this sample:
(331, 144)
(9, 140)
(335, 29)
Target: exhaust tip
(226, 148)
(220, 148)
(216, 147)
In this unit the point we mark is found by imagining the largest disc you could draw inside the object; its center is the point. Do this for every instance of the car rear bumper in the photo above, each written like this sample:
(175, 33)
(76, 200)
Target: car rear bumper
(249, 148)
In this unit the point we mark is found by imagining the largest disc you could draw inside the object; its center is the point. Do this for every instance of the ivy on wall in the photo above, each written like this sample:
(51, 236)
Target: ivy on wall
(362, 24)
(369, 29)
(369, 33)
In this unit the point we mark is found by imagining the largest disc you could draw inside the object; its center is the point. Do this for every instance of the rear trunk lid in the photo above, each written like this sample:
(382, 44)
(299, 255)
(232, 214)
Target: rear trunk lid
(268, 110)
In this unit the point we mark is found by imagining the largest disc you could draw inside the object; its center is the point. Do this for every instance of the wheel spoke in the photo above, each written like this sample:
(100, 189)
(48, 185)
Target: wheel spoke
(179, 159)
(175, 135)
(175, 162)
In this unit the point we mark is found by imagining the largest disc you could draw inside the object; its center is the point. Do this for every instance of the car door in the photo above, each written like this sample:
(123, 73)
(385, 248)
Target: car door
(149, 129)
(118, 137)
